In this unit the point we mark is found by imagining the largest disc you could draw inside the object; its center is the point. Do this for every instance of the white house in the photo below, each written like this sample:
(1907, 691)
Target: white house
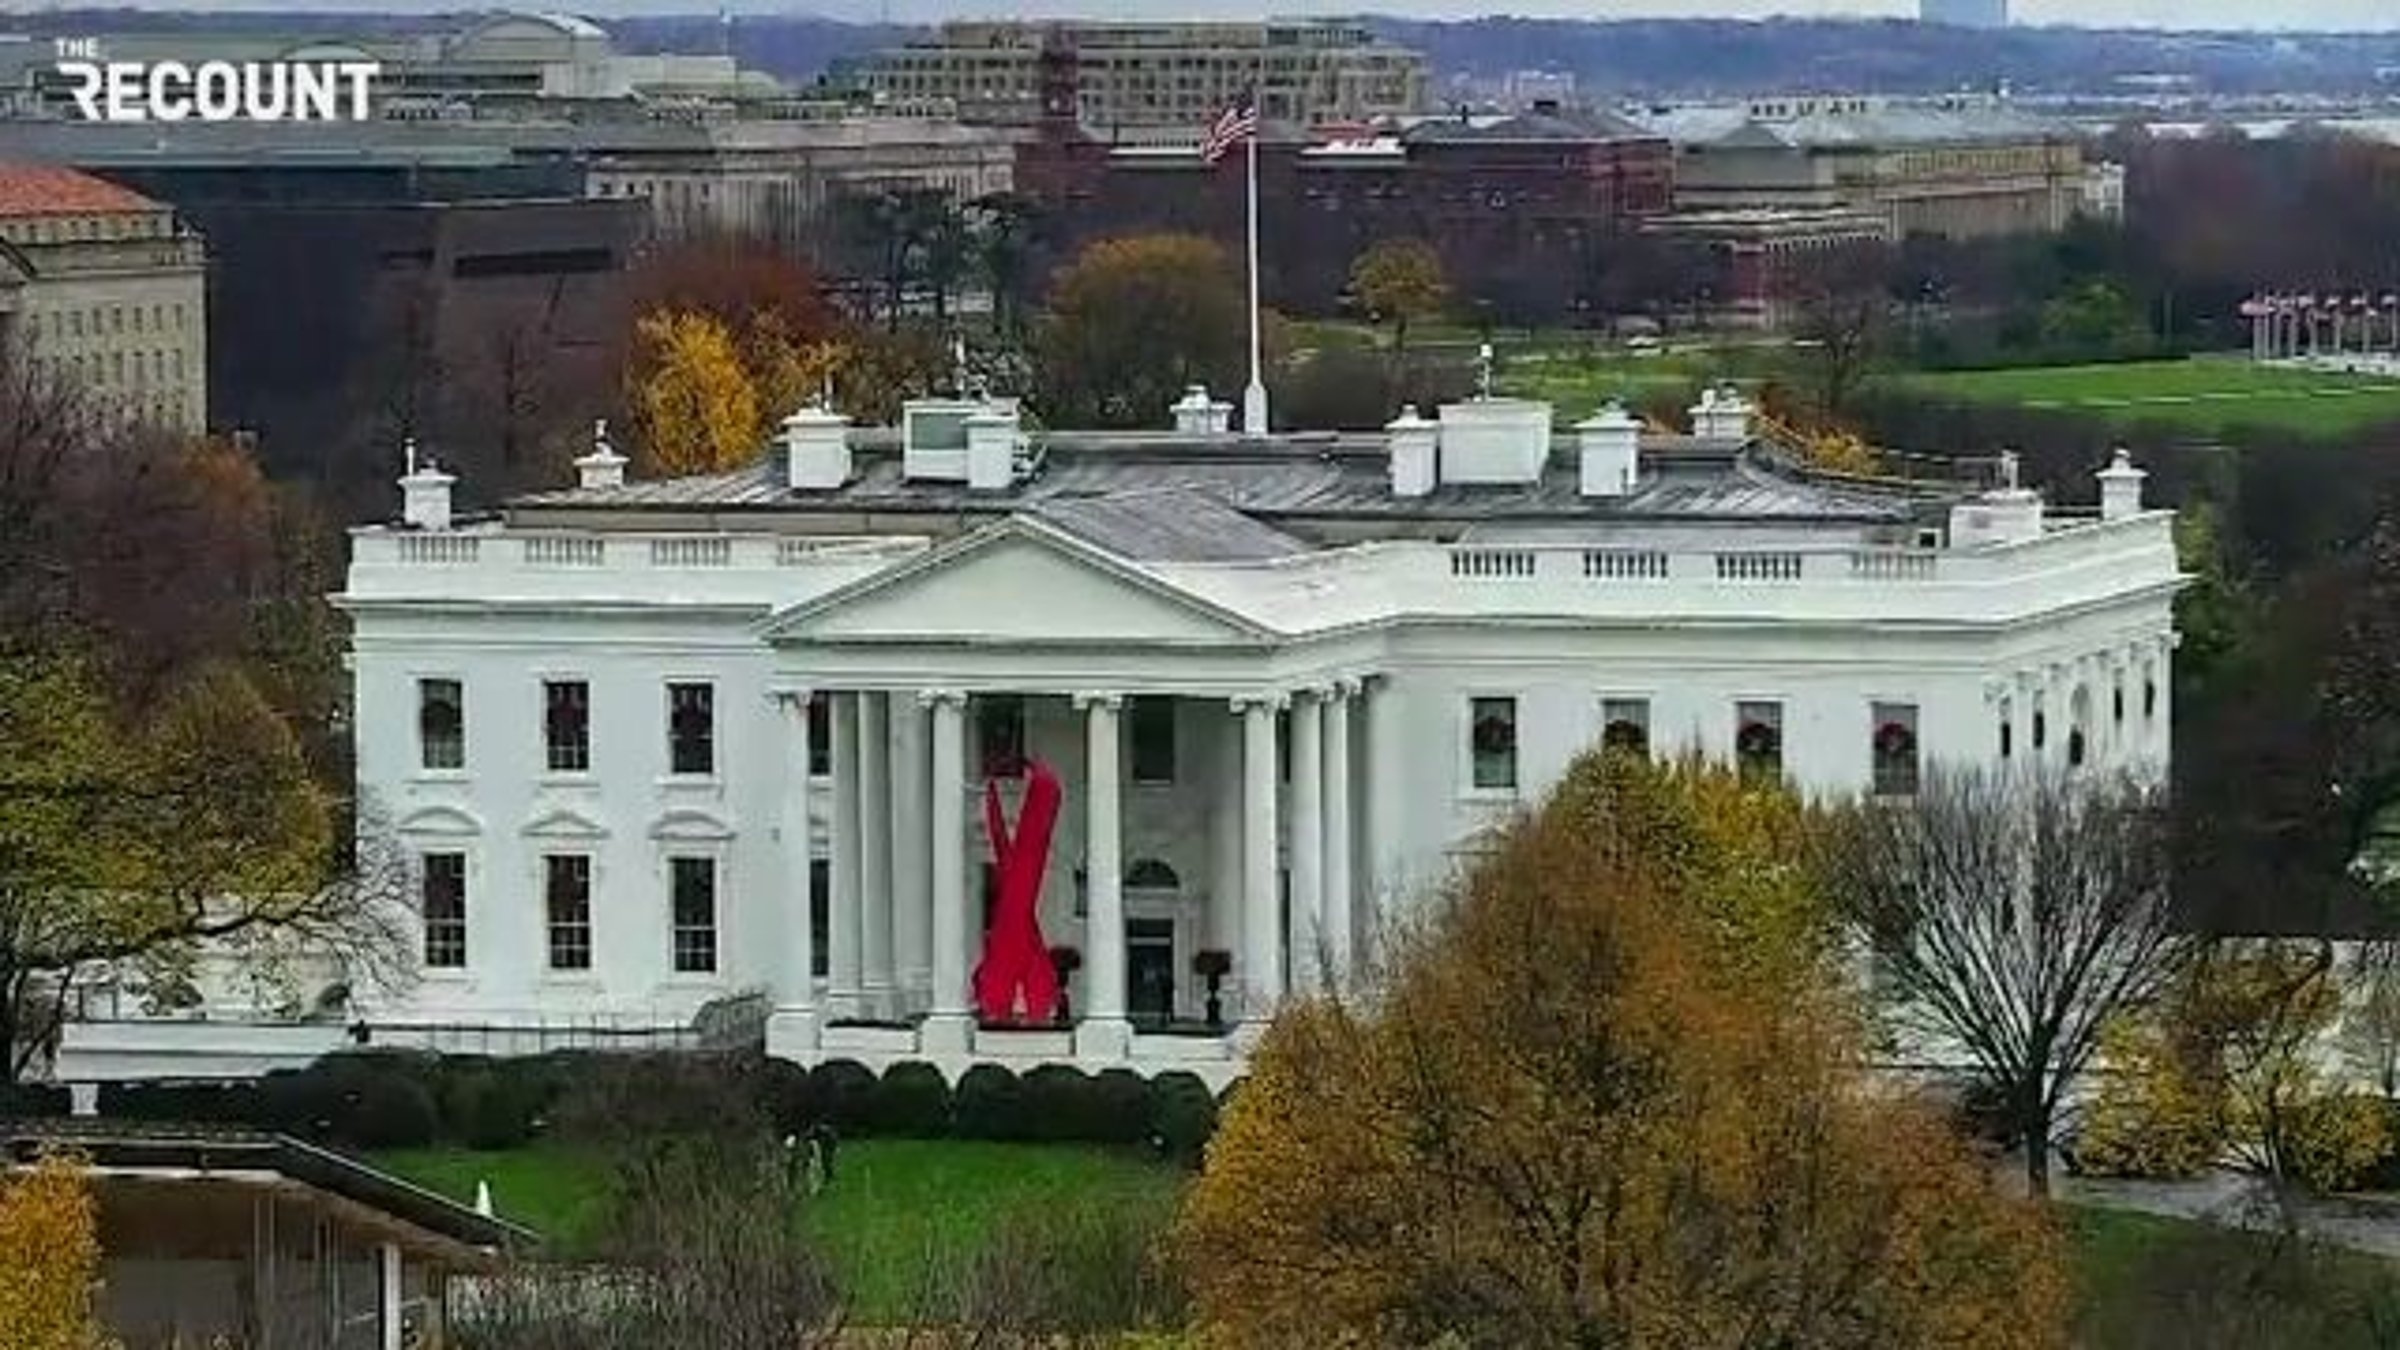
(653, 743)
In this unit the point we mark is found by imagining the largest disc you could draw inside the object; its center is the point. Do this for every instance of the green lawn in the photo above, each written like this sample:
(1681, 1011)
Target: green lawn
(897, 1207)
(2204, 395)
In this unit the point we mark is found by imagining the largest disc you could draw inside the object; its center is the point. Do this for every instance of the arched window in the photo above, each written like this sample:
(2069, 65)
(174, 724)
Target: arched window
(2075, 748)
(1149, 874)
(2041, 729)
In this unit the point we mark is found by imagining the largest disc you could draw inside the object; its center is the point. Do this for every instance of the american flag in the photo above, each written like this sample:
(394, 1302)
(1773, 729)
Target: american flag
(1238, 123)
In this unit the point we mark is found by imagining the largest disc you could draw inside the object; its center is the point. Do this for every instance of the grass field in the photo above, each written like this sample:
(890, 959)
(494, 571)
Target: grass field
(896, 1209)
(2206, 395)
(899, 1208)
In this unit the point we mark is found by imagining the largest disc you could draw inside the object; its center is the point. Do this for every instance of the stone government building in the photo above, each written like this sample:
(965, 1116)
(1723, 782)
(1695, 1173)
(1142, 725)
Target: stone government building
(1176, 76)
(105, 288)
(655, 743)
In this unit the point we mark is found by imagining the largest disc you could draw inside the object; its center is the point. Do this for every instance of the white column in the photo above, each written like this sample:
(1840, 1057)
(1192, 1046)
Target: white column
(1387, 871)
(1225, 856)
(1103, 1031)
(392, 1291)
(874, 855)
(792, 1028)
(1262, 921)
(949, 1019)
(912, 882)
(844, 970)
(1308, 840)
(1341, 840)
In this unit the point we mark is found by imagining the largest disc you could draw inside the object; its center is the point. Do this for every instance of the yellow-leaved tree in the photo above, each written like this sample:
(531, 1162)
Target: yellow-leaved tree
(1609, 1093)
(693, 399)
(1400, 282)
(49, 1258)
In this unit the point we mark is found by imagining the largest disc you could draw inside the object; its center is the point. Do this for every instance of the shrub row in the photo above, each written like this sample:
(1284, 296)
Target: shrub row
(390, 1099)
(1056, 1103)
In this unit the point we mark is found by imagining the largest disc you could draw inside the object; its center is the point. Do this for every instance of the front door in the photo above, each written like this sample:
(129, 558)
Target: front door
(1150, 970)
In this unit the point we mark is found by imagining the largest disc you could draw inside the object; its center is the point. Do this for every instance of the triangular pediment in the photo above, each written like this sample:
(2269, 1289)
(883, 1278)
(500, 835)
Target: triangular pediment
(1019, 581)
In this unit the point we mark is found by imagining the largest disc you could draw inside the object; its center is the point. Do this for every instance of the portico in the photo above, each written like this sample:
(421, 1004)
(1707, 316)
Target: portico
(1210, 776)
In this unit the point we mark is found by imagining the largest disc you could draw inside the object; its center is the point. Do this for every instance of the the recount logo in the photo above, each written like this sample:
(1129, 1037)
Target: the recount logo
(214, 91)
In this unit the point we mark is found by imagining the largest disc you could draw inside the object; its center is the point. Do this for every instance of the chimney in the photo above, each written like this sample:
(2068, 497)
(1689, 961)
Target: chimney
(2121, 487)
(1610, 442)
(816, 450)
(1721, 415)
(424, 492)
(1416, 452)
(992, 448)
(1196, 414)
(603, 467)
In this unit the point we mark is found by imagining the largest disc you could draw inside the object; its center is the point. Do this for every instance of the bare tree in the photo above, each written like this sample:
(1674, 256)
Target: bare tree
(1841, 306)
(2011, 915)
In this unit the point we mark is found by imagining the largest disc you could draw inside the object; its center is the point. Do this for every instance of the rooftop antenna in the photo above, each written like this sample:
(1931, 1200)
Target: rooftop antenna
(1483, 371)
(408, 454)
(2008, 469)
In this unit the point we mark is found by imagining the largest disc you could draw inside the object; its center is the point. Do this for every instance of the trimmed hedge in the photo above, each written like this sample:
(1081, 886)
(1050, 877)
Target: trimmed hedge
(991, 1104)
(910, 1101)
(387, 1099)
(21, 1100)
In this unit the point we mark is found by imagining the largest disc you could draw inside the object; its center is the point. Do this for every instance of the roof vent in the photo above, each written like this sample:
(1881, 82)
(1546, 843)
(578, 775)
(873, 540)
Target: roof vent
(424, 492)
(1609, 443)
(1722, 414)
(2121, 487)
(816, 450)
(1196, 414)
(603, 467)
(1495, 440)
(933, 436)
(1416, 446)
(2008, 514)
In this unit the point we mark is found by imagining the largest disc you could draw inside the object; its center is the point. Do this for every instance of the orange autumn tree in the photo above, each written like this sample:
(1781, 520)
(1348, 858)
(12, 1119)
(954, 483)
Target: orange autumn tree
(1608, 1094)
(49, 1259)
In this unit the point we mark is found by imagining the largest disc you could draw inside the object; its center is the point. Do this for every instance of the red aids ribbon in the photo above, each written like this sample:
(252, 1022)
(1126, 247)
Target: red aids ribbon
(1016, 962)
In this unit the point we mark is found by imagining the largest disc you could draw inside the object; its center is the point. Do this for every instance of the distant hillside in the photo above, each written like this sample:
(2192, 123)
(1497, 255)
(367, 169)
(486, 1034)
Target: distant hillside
(1640, 58)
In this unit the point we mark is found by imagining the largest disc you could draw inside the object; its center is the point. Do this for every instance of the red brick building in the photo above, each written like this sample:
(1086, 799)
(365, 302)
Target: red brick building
(1516, 204)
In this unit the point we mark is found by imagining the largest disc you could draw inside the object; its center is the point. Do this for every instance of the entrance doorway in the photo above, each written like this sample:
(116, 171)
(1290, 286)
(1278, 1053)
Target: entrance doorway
(1150, 971)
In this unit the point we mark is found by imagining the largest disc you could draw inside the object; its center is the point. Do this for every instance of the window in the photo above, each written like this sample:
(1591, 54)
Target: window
(1895, 749)
(2041, 729)
(1625, 724)
(691, 728)
(1492, 743)
(444, 898)
(441, 724)
(567, 725)
(567, 889)
(1758, 739)
(820, 917)
(2075, 747)
(1000, 730)
(2149, 698)
(1153, 730)
(2007, 740)
(820, 736)
(692, 884)
(2117, 707)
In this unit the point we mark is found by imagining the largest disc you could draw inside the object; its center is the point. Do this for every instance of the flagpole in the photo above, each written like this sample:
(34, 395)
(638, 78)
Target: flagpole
(1254, 398)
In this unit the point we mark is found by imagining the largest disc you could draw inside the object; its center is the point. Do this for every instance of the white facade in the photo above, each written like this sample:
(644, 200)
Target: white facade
(1323, 648)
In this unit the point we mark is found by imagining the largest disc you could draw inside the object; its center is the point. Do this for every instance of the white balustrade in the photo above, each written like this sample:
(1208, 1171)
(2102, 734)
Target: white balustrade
(565, 550)
(1625, 564)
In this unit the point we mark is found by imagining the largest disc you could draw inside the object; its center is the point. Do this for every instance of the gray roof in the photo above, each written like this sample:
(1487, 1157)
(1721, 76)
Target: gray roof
(1578, 126)
(1172, 524)
(1878, 124)
(1285, 485)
